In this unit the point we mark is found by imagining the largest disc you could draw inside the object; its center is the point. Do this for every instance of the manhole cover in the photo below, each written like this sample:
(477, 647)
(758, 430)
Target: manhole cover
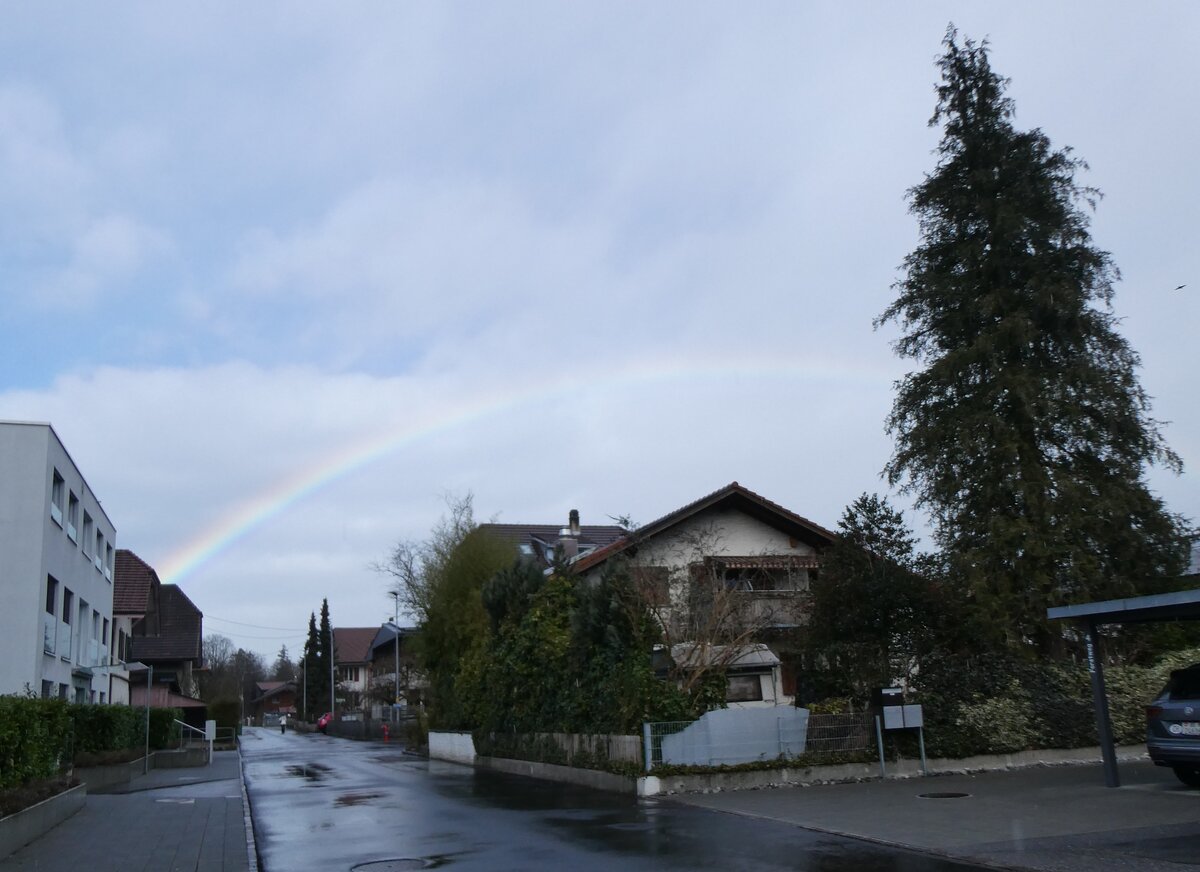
(949, 795)
(401, 864)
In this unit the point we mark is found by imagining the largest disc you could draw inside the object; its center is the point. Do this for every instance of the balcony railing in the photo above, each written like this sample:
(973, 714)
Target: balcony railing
(49, 632)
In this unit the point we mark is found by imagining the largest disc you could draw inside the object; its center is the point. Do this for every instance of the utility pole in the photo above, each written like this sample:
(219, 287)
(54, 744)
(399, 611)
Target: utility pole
(396, 630)
(332, 682)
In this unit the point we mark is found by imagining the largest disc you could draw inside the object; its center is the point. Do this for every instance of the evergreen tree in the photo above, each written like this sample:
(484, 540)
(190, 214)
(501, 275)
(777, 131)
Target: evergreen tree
(283, 669)
(315, 672)
(1026, 433)
(328, 660)
(874, 613)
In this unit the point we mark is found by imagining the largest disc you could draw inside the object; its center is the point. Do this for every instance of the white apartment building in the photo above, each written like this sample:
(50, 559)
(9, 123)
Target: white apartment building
(57, 550)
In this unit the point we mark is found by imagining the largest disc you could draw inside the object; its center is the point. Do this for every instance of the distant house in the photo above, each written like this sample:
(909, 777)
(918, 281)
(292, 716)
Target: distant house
(272, 699)
(394, 674)
(352, 661)
(166, 634)
(731, 570)
(538, 542)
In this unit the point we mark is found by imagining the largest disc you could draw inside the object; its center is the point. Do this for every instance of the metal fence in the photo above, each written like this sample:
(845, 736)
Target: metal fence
(837, 735)
(819, 738)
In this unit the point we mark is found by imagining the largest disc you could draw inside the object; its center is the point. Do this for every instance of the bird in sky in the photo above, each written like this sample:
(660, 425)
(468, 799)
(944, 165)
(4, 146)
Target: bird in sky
(1181, 287)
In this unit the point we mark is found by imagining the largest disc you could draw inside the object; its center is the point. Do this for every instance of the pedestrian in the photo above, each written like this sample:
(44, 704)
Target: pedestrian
(283, 724)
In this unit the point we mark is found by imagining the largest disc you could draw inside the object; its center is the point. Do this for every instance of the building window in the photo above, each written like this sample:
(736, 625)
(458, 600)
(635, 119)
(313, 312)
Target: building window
(68, 603)
(62, 691)
(57, 487)
(102, 698)
(88, 534)
(104, 633)
(72, 516)
(47, 689)
(51, 594)
(108, 562)
(743, 688)
(99, 558)
(765, 574)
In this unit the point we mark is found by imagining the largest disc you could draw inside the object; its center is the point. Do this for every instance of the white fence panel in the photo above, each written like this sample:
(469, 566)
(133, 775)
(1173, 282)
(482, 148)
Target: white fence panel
(730, 736)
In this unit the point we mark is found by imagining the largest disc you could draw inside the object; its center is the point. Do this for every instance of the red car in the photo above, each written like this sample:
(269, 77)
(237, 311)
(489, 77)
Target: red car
(323, 721)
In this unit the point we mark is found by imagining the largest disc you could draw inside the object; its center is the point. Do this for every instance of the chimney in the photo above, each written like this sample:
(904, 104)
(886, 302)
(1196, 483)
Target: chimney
(568, 537)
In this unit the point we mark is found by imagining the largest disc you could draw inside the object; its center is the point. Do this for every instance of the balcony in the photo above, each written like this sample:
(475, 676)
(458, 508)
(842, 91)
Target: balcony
(49, 633)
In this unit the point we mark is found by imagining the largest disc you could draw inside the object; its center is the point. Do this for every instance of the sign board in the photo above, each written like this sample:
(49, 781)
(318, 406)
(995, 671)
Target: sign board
(903, 717)
(210, 730)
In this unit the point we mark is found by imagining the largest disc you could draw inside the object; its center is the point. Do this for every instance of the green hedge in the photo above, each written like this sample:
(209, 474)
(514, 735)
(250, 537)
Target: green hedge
(35, 739)
(225, 712)
(106, 727)
(993, 706)
(39, 737)
(164, 732)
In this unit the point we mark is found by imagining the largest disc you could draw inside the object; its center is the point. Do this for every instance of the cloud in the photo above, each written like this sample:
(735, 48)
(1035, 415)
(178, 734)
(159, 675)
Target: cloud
(74, 250)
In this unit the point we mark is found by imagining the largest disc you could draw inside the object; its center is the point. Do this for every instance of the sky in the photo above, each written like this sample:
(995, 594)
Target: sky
(285, 276)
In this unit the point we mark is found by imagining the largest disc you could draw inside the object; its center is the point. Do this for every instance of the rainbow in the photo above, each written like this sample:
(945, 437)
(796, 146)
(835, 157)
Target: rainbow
(260, 509)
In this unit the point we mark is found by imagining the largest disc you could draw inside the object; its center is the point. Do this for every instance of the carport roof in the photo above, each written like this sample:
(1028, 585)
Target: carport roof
(1182, 605)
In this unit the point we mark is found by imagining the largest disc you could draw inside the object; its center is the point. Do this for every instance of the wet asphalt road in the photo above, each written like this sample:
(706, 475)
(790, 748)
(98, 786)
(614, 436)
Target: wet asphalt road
(330, 805)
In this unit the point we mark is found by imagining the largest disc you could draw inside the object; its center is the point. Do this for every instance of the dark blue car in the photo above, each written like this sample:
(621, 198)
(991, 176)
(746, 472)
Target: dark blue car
(1173, 725)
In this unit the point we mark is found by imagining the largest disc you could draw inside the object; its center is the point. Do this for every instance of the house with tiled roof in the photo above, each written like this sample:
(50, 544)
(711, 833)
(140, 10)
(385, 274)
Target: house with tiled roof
(729, 572)
(272, 699)
(395, 675)
(539, 542)
(352, 661)
(166, 634)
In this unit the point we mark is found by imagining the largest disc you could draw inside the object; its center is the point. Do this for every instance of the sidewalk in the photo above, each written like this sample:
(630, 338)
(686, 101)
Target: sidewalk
(190, 820)
(1058, 818)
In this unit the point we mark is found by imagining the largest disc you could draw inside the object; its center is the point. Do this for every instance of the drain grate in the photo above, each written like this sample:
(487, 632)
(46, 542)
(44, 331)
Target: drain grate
(946, 795)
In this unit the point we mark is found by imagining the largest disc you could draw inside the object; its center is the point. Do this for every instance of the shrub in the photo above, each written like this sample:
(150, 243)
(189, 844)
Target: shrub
(997, 725)
(35, 739)
(164, 732)
(225, 713)
(105, 727)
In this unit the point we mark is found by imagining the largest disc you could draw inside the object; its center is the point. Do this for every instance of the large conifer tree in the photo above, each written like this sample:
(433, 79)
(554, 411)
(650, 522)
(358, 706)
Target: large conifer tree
(1025, 433)
(315, 670)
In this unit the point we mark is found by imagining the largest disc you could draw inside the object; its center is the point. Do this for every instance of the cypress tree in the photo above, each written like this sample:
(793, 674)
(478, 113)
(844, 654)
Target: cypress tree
(1026, 433)
(316, 673)
(327, 656)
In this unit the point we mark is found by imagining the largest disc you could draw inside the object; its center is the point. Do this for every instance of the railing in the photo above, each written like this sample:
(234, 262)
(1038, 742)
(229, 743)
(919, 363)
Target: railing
(183, 740)
(49, 631)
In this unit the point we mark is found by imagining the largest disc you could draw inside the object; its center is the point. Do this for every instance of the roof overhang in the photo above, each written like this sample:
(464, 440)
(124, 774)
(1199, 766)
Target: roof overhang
(1182, 605)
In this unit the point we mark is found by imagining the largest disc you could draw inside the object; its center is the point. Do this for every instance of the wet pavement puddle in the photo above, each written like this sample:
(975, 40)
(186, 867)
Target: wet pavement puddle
(310, 772)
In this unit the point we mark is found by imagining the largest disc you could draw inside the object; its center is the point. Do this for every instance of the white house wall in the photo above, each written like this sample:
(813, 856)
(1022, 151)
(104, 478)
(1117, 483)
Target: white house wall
(718, 532)
(34, 545)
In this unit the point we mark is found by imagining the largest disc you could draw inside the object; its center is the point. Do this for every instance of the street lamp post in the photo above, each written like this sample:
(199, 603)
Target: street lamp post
(396, 630)
(332, 682)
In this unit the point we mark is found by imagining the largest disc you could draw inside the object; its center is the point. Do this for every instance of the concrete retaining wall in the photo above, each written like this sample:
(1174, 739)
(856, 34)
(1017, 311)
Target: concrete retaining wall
(455, 747)
(593, 778)
(98, 779)
(18, 830)
(652, 785)
(185, 759)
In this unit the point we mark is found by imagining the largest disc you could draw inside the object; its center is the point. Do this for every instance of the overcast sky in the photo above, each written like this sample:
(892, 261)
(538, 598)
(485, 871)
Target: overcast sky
(282, 275)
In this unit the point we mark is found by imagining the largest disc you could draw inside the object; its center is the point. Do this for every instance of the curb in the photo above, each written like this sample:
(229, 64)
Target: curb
(248, 820)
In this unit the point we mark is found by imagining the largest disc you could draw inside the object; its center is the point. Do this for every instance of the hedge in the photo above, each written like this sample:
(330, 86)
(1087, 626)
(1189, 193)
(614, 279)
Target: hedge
(35, 739)
(998, 707)
(40, 737)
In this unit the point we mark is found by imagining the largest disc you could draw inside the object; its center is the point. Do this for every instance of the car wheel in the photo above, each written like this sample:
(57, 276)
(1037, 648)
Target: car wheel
(1189, 775)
